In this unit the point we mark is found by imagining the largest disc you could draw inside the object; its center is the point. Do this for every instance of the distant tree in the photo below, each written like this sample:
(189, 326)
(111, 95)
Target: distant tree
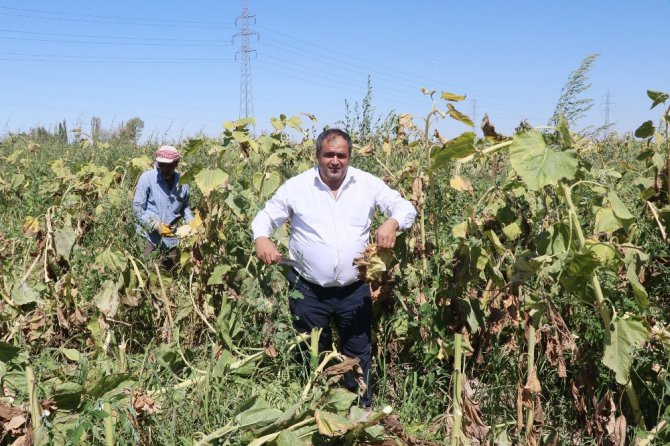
(62, 132)
(95, 128)
(39, 134)
(131, 130)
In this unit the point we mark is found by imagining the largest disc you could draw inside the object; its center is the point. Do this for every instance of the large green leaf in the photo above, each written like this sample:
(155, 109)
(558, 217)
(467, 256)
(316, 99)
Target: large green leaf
(218, 274)
(108, 383)
(111, 260)
(620, 210)
(646, 130)
(625, 335)
(209, 180)
(539, 165)
(332, 424)
(64, 239)
(579, 269)
(554, 240)
(258, 417)
(68, 395)
(289, 438)
(457, 148)
(266, 182)
(606, 253)
(8, 351)
(23, 294)
(524, 267)
(657, 96)
(107, 299)
(339, 399)
(256, 412)
(641, 296)
(606, 221)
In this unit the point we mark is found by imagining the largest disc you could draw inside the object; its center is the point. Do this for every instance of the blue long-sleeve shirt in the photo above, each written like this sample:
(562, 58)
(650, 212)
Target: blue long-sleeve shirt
(155, 202)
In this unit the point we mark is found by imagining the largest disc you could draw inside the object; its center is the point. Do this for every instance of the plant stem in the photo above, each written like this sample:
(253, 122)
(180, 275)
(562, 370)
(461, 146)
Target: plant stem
(123, 361)
(529, 371)
(652, 434)
(458, 392)
(109, 425)
(35, 410)
(316, 372)
(270, 437)
(600, 299)
(314, 348)
(600, 302)
(216, 434)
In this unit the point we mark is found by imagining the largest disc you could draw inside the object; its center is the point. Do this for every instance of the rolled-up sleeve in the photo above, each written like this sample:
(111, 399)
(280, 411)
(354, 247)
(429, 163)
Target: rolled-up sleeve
(393, 205)
(145, 218)
(274, 214)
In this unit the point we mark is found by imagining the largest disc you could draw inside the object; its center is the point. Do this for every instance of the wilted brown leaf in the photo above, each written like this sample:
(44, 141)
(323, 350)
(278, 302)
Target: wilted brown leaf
(619, 435)
(373, 263)
(345, 366)
(473, 425)
(31, 226)
(489, 130)
(527, 396)
(559, 340)
(440, 138)
(8, 412)
(460, 184)
(365, 150)
(16, 425)
(394, 427)
(271, 351)
(417, 191)
(605, 420)
(144, 404)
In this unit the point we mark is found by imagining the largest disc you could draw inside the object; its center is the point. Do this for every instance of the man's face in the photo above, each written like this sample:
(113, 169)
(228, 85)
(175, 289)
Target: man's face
(333, 160)
(167, 169)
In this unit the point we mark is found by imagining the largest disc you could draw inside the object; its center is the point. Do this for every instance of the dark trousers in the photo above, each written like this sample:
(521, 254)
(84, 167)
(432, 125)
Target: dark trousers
(351, 308)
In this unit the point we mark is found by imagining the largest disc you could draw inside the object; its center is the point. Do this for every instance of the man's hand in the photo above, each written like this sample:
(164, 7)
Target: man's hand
(164, 230)
(385, 235)
(267, 251)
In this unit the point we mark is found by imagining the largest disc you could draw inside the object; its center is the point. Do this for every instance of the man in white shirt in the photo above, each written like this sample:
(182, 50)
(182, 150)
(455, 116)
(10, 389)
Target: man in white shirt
(330, 209)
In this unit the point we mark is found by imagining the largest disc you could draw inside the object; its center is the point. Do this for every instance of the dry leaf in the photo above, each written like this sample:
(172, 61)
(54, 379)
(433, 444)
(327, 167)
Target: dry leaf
(473, 425)
(460, 184)
(489, 130)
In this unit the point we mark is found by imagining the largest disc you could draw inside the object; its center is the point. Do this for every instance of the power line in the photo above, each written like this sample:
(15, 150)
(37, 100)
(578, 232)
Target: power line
(90, 36)
(117, 59)
(30, 13)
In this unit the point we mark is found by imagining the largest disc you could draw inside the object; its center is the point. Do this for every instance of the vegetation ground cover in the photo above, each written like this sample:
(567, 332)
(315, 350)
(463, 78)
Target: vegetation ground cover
(529, 303)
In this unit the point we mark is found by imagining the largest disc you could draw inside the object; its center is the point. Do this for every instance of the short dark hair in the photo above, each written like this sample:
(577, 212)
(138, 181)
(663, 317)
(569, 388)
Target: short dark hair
(329, 134)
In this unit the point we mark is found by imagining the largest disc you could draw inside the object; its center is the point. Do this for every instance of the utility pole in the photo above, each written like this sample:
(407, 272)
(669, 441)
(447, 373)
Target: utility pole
(608, 105)
(244, 54)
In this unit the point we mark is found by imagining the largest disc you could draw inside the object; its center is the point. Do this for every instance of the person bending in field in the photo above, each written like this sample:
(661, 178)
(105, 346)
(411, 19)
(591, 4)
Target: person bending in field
(330, 209)
(159, 202)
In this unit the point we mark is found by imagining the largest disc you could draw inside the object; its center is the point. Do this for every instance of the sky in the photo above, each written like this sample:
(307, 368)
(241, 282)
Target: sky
(177, 65)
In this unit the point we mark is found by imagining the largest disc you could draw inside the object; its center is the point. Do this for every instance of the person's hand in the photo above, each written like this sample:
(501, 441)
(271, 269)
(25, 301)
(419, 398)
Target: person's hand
(267, 251)
(385, 235)
(164, 230)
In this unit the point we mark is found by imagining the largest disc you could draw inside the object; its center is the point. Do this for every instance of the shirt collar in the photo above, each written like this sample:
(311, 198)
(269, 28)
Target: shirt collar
(348, 178)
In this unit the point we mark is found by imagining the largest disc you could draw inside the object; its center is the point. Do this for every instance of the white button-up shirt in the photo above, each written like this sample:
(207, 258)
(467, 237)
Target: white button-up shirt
(327, 232)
